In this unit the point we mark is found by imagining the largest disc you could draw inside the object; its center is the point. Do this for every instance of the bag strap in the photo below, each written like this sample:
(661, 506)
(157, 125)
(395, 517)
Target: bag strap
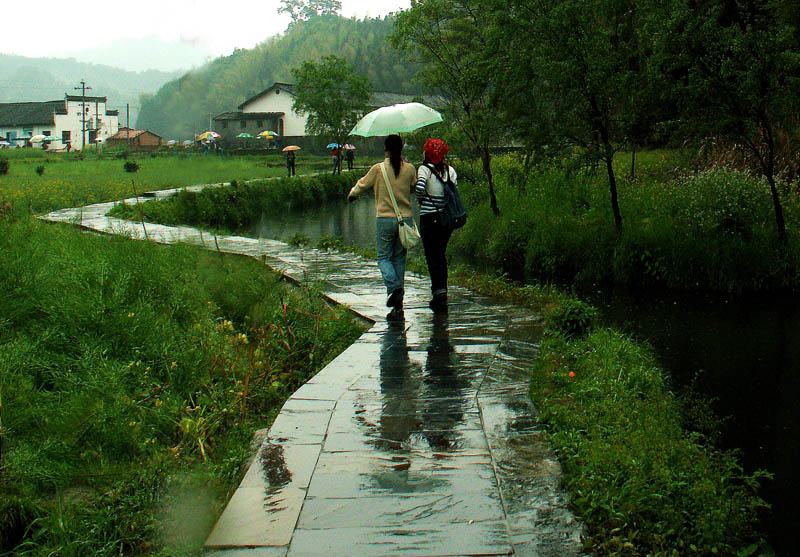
(391, 193)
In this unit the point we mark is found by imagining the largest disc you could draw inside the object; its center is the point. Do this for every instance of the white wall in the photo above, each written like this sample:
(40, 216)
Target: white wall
(109, 125)
(279, 100)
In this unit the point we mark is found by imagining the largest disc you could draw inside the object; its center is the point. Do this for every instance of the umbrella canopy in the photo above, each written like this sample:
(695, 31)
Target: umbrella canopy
(266, 134)
(51, 138)
(332, 146)
(291, 148)
(36, 138)
(349, 147)
(245, 135)
(171, 142)
(188, 142)
(272, 133)
(4, 143)
(404, 117)
(208, 135)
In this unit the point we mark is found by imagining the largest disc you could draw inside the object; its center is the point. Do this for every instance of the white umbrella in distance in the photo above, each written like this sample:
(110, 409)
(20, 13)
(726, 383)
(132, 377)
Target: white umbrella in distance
(404, 117)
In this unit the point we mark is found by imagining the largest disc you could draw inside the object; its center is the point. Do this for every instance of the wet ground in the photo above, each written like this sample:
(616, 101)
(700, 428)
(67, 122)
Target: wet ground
(419, 439)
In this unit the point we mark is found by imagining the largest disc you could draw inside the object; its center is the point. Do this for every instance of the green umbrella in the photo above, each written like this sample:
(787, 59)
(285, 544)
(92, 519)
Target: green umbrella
(397, 118)
(52, 138)
(245, 135)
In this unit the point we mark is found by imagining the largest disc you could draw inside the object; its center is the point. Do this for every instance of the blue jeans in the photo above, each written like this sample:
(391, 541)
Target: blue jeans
(391, 253)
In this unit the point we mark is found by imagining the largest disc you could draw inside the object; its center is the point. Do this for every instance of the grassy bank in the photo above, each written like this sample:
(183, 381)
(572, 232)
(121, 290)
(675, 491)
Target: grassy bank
(704, 231)
(73, 180)
(132, 377)
(241, 205)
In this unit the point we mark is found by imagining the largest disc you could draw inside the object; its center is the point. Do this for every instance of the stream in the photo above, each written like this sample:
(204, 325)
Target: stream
(743, 353)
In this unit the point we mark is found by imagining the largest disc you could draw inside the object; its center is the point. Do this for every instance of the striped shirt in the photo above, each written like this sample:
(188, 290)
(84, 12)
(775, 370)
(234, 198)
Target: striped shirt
(430, 189)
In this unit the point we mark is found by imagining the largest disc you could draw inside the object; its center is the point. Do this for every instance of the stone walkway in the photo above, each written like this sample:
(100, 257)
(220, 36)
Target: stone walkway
(419, 439)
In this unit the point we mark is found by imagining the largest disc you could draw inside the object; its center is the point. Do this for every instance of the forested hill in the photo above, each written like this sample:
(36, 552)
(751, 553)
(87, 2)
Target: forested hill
(47, 79)
(184, 106)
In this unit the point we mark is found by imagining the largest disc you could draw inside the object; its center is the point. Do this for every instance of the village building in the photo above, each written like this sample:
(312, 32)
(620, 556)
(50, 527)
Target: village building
(81, 121)
(271, 109)
(140, 140)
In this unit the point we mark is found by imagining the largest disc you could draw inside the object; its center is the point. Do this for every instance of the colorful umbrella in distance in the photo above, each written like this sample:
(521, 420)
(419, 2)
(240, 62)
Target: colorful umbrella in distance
(245, 135)
(36, 138)
(331, 145)
(265, 135)
(397, 118)
(272, 133)
(171, 142)
(348, 147)
(291, 148)
(188, 142)
(208, 135)
(51, 138)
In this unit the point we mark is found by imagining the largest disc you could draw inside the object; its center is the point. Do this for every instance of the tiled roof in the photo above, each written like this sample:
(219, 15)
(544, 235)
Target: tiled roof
(288, 87)
(247, 115)
(87, 98)
(30, 113)
(131, 134)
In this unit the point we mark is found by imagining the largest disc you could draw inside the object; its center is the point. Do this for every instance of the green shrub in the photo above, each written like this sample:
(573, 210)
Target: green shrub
(40, 169)
(131, 166)
(4, 166)
(572, 318)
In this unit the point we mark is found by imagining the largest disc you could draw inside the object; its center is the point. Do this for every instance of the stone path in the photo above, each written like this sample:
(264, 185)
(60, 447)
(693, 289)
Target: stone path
(419, 439)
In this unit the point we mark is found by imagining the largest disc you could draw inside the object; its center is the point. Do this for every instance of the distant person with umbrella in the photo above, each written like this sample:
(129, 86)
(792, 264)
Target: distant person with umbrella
(391, 253)
(350, 156)
(290, 159)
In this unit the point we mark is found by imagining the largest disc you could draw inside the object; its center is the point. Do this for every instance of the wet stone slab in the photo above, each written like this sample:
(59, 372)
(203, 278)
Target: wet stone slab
(419, 439)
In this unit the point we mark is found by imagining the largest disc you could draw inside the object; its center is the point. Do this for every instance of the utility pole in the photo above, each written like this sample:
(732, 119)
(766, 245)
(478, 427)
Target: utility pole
(83, 89)
(128, 123)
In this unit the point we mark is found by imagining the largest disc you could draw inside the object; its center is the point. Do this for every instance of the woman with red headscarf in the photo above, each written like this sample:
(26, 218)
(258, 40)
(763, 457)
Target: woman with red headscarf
(431, 179)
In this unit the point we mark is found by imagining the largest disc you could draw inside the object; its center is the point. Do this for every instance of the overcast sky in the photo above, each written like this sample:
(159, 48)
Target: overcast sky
(58, 28)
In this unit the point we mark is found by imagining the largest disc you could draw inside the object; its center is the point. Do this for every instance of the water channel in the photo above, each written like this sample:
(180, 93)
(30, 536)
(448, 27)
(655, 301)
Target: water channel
(741, 352)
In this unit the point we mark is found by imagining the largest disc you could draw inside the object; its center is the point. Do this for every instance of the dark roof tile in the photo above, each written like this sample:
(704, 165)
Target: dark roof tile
(30, 113)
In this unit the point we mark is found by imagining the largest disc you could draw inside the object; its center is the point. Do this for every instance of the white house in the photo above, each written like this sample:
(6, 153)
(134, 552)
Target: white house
(271, 109)
(75, 119)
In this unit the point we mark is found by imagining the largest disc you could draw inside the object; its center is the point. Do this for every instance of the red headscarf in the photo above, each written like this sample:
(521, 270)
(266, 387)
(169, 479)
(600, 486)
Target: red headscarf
(435, 150)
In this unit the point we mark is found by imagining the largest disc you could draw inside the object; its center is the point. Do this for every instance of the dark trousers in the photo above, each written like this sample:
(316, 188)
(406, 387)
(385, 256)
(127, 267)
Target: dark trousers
(434, 240)
(290, 169)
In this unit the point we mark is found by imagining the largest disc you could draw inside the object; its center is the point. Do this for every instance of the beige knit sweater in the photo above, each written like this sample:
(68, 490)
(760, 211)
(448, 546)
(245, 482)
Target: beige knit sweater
(401, 185)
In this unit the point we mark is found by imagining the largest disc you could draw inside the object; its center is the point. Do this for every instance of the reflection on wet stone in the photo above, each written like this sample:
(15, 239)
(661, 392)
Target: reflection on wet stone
(419, 439)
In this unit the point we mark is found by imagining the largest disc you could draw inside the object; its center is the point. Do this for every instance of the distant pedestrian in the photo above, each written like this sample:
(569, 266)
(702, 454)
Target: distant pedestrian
(69, 146)
(350, 156)
(290, 159)
(335, 155)
(431, 179)
(391, 253)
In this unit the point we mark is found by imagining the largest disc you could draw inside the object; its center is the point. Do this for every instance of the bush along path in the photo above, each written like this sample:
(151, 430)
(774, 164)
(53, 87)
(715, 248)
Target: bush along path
(420, 438)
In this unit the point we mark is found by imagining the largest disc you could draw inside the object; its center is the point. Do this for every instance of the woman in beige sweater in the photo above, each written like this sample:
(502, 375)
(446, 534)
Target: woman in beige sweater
(391, 253)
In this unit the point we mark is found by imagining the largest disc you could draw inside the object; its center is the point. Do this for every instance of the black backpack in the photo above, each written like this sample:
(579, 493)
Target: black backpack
(453, 214)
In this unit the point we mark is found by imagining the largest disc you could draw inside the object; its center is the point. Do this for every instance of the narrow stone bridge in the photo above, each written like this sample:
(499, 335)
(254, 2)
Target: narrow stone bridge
(419, 439)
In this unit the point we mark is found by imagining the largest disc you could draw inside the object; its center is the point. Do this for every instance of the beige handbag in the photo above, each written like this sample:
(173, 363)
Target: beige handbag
(409, 234)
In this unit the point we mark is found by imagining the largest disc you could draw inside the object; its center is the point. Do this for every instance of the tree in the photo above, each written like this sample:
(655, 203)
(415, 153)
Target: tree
(736, 69)
(449, 37)
(333, 96)
(302, 10)
(574, 71)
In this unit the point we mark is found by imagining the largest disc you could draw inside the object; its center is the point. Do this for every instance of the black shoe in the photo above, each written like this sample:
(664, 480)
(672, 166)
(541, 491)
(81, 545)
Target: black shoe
(396, 315)
(395, 299)
(439, 302)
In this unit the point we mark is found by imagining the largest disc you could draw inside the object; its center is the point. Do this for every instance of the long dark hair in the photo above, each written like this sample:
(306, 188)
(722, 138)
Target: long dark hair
(394, 146)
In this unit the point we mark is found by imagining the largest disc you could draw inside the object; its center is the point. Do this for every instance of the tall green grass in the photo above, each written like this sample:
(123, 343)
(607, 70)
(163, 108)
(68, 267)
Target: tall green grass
(709, 231)
(240, 206)
(131, 377)
(644, 481)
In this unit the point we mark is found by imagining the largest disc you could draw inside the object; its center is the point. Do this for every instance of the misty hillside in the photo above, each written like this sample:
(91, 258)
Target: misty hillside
(146, 53)
(184, 106)
(47, 79)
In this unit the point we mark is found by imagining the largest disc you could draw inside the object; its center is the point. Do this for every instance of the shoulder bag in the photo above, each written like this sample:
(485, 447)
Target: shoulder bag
(409, 234)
